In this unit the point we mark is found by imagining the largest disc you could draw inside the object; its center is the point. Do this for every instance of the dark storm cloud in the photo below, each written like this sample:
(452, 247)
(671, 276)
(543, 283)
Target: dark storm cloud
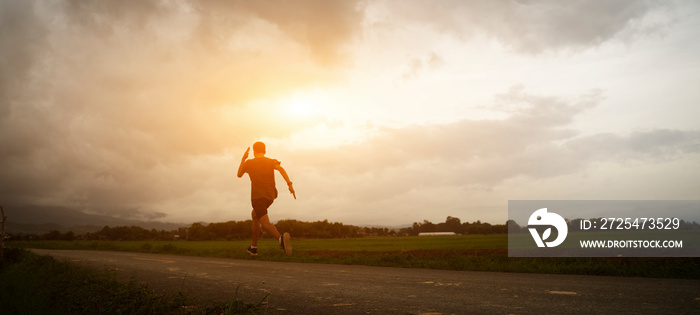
(21, 36)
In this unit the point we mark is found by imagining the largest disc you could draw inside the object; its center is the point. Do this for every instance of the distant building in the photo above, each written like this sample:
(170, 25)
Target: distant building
(436, 233)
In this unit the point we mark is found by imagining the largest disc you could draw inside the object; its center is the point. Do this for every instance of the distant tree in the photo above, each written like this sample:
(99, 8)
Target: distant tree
(428, 226)
(69, 236)
(513, 227)
(197, 232)
(53, 235)
(452, 224)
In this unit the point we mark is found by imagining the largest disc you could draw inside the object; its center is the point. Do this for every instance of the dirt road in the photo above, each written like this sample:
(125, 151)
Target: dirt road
(298, 288)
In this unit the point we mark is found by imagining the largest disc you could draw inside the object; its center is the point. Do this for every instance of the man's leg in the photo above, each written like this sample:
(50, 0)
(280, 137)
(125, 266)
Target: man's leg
(262, 220)
(256, 229)
(272, 230)
(269, 227)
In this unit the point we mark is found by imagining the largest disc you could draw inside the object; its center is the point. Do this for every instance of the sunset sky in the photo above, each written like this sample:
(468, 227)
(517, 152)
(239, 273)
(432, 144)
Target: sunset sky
(382, 112)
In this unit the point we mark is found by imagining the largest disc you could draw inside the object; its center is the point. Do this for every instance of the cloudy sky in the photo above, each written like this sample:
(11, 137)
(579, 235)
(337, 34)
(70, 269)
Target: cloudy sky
(382, 112)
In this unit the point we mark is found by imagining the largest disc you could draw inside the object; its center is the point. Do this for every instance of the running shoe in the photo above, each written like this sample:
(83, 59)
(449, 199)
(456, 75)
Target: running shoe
(286, 245)
(252, 251)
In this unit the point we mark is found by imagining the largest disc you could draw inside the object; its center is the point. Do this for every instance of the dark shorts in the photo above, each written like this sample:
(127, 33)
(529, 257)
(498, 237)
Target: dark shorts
(260, 206)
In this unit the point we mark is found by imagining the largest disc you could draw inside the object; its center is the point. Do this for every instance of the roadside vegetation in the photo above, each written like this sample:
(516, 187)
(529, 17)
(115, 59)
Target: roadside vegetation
(240, 230)
(34, 284)
(462, 252)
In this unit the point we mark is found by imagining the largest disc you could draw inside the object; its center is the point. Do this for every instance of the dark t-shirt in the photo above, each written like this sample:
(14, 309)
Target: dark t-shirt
(261, 171)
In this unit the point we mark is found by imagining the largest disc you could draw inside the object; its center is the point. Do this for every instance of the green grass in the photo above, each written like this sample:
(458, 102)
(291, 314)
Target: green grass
(406, 243)
(345, 244)
(34, 284)
(464, 252)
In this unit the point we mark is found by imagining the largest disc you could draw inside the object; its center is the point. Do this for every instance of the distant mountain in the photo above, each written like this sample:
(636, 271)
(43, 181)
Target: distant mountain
(42, 219)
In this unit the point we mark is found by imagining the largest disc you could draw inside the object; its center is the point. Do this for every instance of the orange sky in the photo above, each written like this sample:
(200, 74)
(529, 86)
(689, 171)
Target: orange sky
(382, 112)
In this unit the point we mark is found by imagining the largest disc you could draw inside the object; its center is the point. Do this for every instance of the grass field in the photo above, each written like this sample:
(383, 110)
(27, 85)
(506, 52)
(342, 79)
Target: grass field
(464, 252)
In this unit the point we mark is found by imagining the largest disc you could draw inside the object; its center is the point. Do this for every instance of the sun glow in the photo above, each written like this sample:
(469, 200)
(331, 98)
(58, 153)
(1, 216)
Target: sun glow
(316, 121)
(302, 105)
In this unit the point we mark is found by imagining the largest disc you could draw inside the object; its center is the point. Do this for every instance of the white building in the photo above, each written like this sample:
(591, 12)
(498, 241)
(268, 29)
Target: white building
(436, 233)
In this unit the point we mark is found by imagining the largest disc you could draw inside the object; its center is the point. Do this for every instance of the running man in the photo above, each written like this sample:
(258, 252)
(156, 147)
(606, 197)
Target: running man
(262, 193)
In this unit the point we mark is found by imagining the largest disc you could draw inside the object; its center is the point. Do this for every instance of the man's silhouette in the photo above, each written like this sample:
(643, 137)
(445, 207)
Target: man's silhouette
(262, 193)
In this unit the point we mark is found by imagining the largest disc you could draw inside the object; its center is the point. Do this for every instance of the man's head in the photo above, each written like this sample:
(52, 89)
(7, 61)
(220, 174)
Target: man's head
(258, 148)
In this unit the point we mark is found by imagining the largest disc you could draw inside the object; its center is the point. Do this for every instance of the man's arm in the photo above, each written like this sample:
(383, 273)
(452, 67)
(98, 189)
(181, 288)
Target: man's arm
(240, 167)
(286, 179)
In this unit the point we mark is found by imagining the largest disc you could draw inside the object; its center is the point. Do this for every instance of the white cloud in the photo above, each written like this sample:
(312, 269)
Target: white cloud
(437, 163)
(537, 26)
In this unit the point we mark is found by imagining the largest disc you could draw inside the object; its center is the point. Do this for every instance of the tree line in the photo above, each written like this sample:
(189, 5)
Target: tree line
(237, 230)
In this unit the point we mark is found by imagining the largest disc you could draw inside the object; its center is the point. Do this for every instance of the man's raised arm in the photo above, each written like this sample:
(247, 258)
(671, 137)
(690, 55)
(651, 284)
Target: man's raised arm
(240, 167)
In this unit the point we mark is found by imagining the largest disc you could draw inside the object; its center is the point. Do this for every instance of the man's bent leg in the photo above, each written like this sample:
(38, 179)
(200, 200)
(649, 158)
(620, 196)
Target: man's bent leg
(269, 228)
